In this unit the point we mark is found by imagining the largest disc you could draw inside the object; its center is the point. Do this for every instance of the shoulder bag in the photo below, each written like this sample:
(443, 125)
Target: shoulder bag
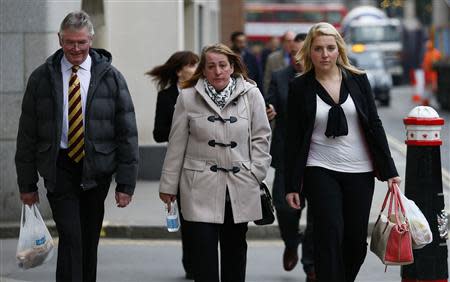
(266, 199)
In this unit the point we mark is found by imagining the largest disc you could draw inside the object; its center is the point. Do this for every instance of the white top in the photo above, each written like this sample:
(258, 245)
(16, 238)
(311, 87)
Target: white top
(348, 153)
(84, 75)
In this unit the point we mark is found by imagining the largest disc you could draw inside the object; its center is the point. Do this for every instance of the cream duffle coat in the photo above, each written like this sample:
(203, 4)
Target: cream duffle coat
(209, 151)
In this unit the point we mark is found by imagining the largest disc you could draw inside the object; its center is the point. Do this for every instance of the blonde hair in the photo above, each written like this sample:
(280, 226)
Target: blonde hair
(219, 48)
(319, 29)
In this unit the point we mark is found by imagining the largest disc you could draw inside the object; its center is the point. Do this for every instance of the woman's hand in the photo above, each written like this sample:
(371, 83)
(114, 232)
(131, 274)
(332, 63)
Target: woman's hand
(167, 199)
(293, 200)
(394, 180)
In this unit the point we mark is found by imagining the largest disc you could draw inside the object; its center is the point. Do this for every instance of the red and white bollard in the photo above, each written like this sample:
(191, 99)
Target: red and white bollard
(423, 185)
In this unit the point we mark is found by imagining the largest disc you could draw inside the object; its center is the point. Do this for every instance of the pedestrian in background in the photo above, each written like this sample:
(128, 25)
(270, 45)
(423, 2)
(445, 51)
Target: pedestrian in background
(278, 59)
(431, 56)
(271, 46)
(239, 46)
(77, 128)
(335, 145)
(218, 154)
(169, 77)
(288, 218)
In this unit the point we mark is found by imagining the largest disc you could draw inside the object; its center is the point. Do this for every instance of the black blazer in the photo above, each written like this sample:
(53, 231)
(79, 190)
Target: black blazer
(300, 124)
(165, 106)
(277, 96)
(253, 68)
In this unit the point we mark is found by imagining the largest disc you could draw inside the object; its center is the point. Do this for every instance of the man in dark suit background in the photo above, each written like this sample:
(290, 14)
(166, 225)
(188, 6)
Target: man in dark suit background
(271, 46)
(77, 128)
(288, 218)
(239, 46)
(278, 59)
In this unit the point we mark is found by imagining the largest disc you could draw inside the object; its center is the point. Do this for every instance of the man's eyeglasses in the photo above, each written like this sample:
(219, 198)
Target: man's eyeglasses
(72, 44)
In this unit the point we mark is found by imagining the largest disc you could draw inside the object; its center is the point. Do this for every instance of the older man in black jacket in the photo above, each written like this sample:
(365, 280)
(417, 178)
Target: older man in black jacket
(77, 129)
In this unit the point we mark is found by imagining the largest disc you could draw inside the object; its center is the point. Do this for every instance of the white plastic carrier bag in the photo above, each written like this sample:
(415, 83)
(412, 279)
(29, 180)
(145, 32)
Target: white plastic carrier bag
(35, 245)
(420, 229)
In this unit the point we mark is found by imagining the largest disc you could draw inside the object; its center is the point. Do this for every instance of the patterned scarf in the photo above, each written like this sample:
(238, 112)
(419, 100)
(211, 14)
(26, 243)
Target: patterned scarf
(220, 98)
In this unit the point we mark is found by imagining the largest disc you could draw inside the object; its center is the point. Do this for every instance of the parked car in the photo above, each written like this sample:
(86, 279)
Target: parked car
(380, 79)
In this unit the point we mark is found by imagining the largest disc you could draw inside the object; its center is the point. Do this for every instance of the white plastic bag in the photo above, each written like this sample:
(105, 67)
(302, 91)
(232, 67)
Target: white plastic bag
(35, 245)
(418, 224)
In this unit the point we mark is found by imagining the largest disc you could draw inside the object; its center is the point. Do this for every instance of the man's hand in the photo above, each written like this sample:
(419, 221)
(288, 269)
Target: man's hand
(293, 200)
(122, 199)
(270, 112)
(29, 198)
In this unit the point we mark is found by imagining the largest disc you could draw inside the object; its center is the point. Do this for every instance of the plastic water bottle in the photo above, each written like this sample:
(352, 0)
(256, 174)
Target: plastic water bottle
(172, 218)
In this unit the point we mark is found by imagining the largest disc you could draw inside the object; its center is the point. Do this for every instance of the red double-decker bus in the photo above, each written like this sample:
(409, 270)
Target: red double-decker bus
(266, 20)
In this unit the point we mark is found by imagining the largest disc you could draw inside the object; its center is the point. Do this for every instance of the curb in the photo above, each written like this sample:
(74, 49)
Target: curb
(116, 231)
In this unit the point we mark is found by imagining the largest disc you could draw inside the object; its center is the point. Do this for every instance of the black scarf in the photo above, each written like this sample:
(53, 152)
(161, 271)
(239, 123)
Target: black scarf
(337, 122)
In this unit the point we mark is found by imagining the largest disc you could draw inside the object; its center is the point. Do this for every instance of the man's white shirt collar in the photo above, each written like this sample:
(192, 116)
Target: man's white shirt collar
(86, 65)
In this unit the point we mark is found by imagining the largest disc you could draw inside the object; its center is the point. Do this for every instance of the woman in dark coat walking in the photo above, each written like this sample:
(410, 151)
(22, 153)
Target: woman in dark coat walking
(336, 144)
(179, 68)
(169, 77)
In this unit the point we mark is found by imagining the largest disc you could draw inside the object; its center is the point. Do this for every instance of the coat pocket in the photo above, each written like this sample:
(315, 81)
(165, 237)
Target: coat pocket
(105, 148)
(248, 167)
(191, 168)
(105, 158)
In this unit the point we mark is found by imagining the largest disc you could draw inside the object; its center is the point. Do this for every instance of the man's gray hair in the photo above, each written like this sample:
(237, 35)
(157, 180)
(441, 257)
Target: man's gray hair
(76, 21)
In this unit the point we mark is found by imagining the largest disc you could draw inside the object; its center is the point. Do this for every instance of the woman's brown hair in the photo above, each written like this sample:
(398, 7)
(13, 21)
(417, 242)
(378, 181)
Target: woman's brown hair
(219, 48)
(166, 74)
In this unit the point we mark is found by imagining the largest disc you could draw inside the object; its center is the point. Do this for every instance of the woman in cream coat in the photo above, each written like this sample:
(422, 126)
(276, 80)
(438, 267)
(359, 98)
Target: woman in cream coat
(218, 153)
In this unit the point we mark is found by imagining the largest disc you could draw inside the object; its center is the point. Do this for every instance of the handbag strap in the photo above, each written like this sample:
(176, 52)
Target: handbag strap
(392, 197)
(388, 193)
(247, 108)
(401, 208)
(395, 204)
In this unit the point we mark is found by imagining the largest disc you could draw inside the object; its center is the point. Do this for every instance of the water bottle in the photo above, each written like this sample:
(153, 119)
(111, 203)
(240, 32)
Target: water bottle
(172, 218)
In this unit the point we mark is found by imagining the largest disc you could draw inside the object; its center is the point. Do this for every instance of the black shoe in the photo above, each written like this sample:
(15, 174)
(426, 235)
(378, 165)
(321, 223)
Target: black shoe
(311, 277)
(290, 259)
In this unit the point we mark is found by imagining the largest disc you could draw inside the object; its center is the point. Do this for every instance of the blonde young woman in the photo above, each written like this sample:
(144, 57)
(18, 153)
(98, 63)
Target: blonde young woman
(217, 155)
(336, 144)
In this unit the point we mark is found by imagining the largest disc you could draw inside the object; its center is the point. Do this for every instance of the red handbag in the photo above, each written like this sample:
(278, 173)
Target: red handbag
(391, 238)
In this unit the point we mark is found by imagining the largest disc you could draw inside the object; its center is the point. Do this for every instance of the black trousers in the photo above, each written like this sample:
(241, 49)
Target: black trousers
(233, 249)
(78, 216)
(186, 242)
(288, 223)
(340, 208)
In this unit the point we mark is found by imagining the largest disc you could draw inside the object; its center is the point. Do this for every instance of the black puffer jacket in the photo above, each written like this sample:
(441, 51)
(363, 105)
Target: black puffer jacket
(111, 141)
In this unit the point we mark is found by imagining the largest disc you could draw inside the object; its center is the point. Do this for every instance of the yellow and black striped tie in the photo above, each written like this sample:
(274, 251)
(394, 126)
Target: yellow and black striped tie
(76, 129)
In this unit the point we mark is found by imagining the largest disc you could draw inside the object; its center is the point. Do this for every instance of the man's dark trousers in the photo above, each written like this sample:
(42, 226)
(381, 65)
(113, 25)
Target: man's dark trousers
(288, 222)
(78, 215)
